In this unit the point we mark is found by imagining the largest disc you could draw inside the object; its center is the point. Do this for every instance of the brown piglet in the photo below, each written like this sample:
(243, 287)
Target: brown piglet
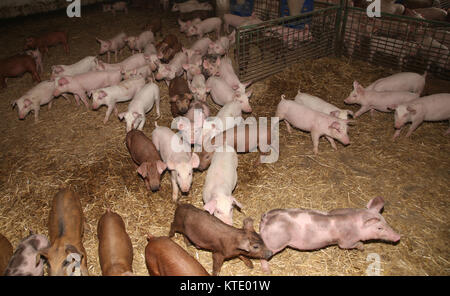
(207, 232)
(65, 228)
(144, 154)
(154, 25)
(17, 65)
(115, 250)
(46, 40)
(6, 251)
(164, 257)
(179, 96)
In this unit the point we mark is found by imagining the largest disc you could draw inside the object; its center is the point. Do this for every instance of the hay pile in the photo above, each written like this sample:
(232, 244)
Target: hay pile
(71, 147)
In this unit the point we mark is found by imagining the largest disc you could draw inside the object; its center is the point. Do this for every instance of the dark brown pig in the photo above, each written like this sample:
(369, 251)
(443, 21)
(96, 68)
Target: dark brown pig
(164, 257)
(243, 138)
(44, 41)
(167, 55)
(144, 154)
(179, 96)
(65, 228)
(6, 251)
(115, 250)
(207, 232)
(17, 65)
(168, 42)
(154, 25)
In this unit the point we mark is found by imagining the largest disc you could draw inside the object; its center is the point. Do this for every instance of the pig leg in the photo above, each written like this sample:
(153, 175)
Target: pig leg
(333, 144)
(108, 113)
(36, 114)
(115, 111)
(83, 97)
(413, 127)
(265, 266)
(141, 124)
(361, 111)
(174, 186)
(315, 139)
(396, 134)
(158, 114)
(115, 55)
(288, 126)
(246, 261)
(351, 245)
(217, 262)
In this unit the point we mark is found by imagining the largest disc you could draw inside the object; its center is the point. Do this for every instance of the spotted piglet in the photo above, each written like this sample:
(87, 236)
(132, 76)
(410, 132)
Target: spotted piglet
(26, 260)
(303, 229)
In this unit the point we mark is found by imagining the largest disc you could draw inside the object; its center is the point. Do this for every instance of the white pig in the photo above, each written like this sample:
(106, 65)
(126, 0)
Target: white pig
(143, 71)
(178, 157)
(141, 104)
(226, 72)
(317, 123)
(79, 84)
(235, 20)
(430, 108)
(220, 182)
(377, 100)
(115, 44)
(320, 105)
(138, 43)
(221, 46)
(172, 69)
(403, 81)
(193, 67)
(200, 47)
(82, 66)
(122, 92)
(222, 93)
(39, 95)
(151, 56)
(130, 63)
(206, 26)
(184, 26)
(198, 87)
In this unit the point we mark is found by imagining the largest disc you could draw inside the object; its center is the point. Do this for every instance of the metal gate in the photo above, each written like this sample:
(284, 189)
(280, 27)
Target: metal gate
(400, 42)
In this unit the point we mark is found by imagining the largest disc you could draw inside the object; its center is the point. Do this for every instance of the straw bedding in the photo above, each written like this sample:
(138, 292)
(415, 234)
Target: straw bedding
(71, 147)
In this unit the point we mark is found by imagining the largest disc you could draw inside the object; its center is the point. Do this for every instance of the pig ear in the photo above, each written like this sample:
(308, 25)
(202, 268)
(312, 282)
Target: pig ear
(186, 66)
(244, 245)
(62, 81)
(121, 115)
(160, 166)
(392, 107)
(170, 165)
(335, 113)
(142, 170)
(370, 221)
(376, 204)
(210, 206)
(235, 202)
(249, 93)
(248, 224)
(336, 125)
(195, 160)
(27, 103)
(247, 84)
(71, 249)
(42, 253)
(411, 110)
(358, 87)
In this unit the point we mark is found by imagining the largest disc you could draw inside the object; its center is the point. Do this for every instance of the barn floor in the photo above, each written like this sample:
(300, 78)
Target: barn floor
(71, 147)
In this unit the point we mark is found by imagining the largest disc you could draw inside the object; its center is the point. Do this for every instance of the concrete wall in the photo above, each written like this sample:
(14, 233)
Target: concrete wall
(13, 8)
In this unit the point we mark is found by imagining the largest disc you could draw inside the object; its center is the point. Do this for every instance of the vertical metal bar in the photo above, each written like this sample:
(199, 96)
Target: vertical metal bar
(341, 30)
(338, 41)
